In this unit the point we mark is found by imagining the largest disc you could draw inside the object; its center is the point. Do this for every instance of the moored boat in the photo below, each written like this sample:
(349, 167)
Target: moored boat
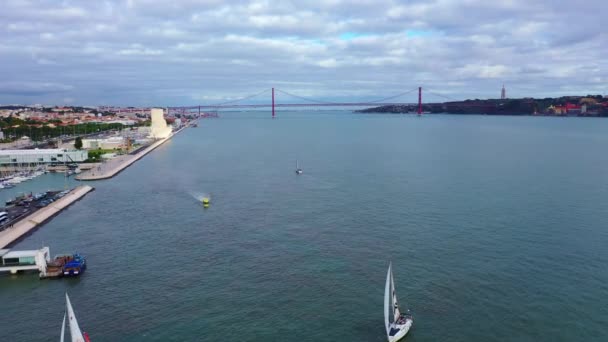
(55, 268)
(75, 266)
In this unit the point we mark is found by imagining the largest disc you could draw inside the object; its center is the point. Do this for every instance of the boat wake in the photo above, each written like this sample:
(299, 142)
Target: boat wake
(200, 196)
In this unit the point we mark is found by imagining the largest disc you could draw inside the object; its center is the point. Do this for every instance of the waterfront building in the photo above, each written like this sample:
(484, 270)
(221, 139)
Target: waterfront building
(41, 156)
(31, 260)
(106, 144)
(503, 93)
(573, 109)
(557, 110)
(143, 130)
(124, 122)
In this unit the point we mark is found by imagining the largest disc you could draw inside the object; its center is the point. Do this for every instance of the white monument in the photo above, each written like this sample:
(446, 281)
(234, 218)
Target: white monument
(159, 128)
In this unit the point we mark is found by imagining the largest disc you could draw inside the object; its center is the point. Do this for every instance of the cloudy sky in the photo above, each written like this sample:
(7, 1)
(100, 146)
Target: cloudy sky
(186, 52)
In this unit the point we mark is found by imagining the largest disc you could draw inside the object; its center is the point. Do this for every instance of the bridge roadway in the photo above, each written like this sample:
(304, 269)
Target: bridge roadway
(264, 105)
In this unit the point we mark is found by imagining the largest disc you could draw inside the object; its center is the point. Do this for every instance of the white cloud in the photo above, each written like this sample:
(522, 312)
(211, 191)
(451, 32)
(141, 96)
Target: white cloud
(138, 50)
(328, 63)
(229, 48)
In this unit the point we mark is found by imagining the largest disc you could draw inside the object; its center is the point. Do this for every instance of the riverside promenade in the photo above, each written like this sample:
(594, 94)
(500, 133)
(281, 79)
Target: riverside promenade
(114, 166)
(41, 215)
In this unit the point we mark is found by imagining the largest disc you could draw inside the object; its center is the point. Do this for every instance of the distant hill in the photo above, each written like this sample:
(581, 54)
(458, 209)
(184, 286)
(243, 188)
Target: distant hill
(594, 105)
(13, 107)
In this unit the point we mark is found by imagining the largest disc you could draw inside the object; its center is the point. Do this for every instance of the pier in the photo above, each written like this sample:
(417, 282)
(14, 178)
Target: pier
(116, 165)
(38, 217)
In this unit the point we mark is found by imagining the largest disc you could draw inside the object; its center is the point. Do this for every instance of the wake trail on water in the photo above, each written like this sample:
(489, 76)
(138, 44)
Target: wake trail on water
(199, 195)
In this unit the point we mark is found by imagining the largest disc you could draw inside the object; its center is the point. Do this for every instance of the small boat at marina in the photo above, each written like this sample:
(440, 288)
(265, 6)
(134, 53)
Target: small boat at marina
(397, 324)
(20, 177)
(18, 199)
(76, 334)
(299, 171)
(64, 265)
(16, 180)
(75, 266)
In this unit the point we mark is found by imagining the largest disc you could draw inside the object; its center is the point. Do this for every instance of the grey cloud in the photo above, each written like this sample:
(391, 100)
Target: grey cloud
(141, 52)
(33, 88)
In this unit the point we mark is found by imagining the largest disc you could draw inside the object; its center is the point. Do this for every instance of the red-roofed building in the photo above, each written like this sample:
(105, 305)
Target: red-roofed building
(573, 109)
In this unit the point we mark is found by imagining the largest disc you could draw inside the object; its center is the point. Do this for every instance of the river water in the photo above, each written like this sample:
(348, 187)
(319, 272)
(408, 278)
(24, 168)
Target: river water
(496, 227)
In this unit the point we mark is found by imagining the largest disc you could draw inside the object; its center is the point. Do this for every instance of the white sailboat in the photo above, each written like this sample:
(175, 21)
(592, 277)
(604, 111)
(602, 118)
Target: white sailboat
(298, 169)
(75, 332)
(399, 324)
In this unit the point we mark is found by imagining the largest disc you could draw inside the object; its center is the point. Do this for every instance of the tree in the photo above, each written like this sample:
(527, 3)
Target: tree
(78, 143)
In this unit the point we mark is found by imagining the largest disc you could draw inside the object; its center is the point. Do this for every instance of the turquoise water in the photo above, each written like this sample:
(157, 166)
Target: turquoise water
(496, 227)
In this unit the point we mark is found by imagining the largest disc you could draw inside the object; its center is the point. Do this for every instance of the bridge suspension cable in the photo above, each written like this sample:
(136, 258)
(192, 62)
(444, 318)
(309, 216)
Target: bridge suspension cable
(394, 96)
(335, 103)
(304, 98)
(428, 91)
(240, 99)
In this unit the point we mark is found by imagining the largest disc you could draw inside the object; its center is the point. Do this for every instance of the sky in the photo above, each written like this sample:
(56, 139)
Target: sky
(190, 52)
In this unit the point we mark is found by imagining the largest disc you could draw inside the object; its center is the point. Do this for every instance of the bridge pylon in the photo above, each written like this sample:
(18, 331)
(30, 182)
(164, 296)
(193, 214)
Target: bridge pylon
(272, 102)
(419, 100)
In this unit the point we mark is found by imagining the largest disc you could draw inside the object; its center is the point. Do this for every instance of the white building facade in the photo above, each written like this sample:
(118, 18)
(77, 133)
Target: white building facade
(108, 143)
(42, 156)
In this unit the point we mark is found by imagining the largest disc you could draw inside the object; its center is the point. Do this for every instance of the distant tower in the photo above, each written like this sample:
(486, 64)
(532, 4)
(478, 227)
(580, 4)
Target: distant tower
(503, 93)
(158, 127)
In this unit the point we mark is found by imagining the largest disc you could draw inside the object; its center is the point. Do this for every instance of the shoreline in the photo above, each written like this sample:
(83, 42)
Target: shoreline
(122, 163)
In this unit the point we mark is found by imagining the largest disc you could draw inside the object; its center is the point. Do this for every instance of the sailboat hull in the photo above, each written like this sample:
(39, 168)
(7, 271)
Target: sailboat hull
(398, 331)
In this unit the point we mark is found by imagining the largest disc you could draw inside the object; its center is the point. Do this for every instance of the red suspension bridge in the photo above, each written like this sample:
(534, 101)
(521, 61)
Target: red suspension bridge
(240, 103)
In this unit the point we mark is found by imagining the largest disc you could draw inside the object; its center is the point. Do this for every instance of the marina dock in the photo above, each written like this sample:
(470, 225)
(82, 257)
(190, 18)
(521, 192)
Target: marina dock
(38, 217)
(65, 265)
(20, 261)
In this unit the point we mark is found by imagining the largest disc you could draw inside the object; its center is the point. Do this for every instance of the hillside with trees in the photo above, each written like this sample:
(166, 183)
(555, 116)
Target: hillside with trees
(590, 105)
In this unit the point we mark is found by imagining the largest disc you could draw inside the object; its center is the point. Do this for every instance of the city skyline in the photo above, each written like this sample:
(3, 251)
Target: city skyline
(144, 52)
